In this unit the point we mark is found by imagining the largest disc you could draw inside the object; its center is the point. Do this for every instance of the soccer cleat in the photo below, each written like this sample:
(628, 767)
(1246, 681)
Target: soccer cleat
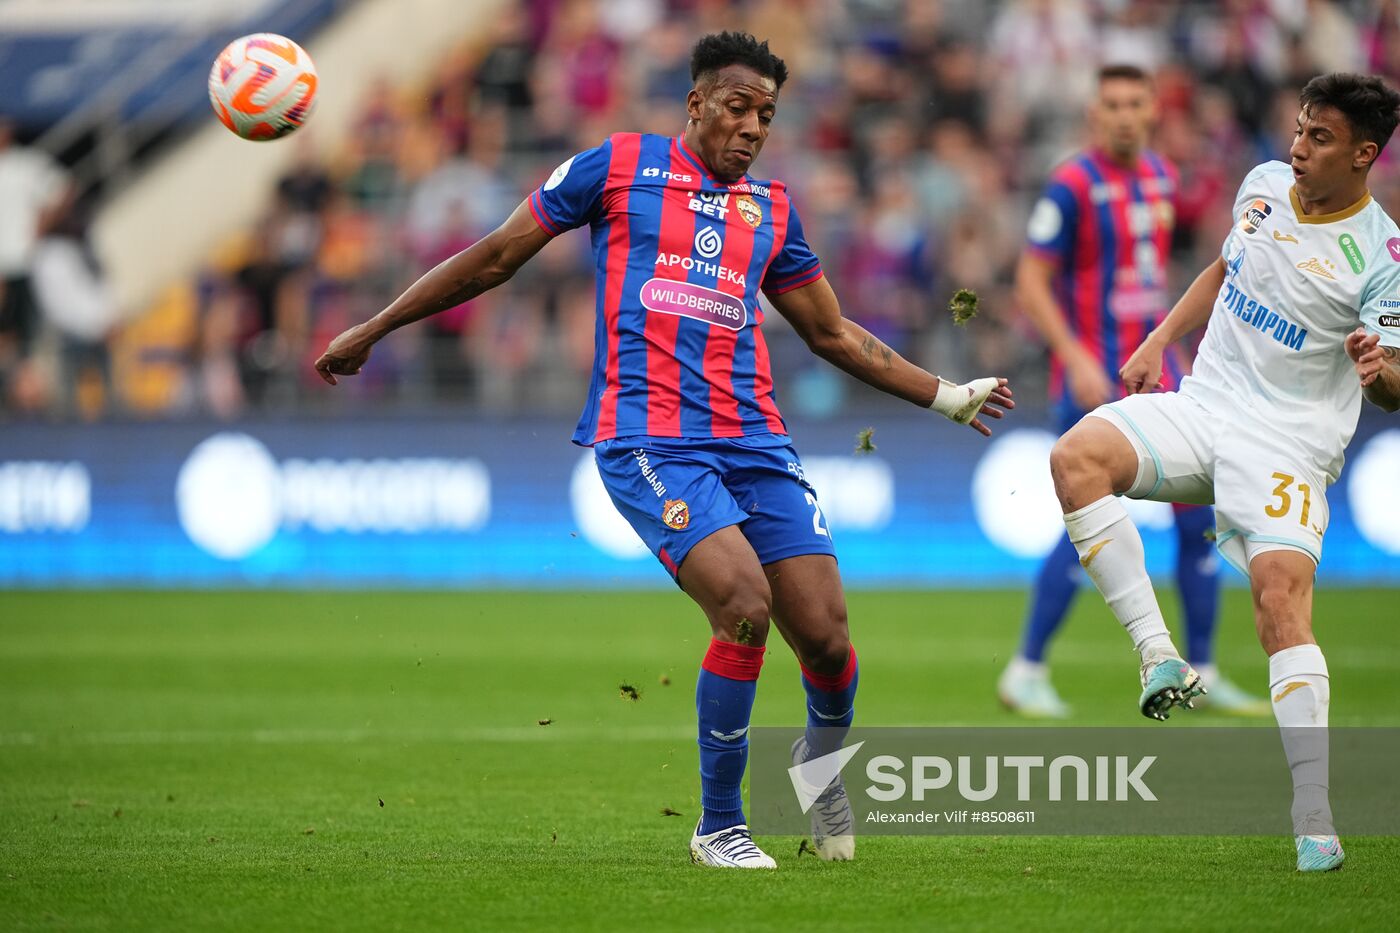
(729, 848)
(1225, 697)
(1025, 688)
(1167, 683)
(832, 832)
(1319, 853)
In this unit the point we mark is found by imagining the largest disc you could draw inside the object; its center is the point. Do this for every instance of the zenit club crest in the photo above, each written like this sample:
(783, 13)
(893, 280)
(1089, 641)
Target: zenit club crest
(1254, 215)
(676, 514)
(749, 210)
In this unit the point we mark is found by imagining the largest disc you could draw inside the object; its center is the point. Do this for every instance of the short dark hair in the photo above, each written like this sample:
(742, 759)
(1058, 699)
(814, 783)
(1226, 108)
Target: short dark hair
(721, 49)
(1125, 71)
(1371, 107)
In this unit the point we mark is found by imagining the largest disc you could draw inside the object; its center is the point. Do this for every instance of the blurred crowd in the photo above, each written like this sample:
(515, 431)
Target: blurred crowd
(913, 134)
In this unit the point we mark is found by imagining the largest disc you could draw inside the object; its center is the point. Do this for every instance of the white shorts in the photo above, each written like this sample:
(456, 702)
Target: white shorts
(1266, 496)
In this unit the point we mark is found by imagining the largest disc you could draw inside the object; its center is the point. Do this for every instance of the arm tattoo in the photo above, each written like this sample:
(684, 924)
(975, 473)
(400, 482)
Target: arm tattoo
(868, 348)
(465, 291)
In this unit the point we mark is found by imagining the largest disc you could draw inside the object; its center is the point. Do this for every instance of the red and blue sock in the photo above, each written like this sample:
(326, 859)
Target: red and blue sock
(723, 703)
(831, 706)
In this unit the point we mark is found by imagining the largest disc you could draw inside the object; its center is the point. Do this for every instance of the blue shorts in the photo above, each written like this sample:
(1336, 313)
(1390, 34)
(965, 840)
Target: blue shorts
(676, 492)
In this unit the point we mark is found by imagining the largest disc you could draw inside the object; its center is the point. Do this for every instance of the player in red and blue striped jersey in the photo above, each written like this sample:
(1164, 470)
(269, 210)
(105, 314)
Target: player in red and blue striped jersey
(680, 412)
(682, 256)
(1093, 281)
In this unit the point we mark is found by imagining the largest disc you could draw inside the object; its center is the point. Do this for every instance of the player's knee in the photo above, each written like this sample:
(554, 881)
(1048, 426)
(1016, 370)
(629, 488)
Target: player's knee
(1092, 460)
(827, 655)
(741, 613)
(1072, 459)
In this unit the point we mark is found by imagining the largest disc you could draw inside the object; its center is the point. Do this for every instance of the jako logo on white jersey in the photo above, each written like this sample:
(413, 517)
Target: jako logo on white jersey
(1261, 317)
(688, 263)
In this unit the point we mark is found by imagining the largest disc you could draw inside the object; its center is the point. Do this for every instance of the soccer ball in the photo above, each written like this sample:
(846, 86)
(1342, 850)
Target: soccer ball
(263, 86)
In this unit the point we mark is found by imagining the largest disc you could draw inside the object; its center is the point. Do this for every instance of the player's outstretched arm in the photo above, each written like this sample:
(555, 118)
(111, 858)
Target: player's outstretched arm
(1143, 371)
(479, 268)
(1378, 367)
(816, 316)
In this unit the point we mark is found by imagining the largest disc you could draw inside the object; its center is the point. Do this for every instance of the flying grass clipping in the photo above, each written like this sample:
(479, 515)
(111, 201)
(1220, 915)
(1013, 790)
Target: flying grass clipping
(963, 306)
(864, 442)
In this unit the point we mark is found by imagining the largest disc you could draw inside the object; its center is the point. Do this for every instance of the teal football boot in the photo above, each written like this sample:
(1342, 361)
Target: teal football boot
(1166, 683)
(1319, 853)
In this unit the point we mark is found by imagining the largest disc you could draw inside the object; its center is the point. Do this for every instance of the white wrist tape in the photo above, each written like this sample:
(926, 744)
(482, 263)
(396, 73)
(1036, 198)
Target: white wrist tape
(961, 403)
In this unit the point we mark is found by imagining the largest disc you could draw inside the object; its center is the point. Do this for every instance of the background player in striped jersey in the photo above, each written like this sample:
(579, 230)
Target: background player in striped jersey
(1093, 281)
(681, 415)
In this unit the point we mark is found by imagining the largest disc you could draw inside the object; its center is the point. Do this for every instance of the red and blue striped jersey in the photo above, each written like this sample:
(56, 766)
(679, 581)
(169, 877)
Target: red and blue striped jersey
(681, 257)
(1108, 230)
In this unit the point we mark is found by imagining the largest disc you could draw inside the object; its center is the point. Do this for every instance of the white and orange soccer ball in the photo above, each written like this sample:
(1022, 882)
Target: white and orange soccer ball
(263, 86)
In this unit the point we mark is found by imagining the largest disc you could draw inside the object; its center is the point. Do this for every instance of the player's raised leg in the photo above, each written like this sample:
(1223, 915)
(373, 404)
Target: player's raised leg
(810, 610)
(1282, 585)
(723, 575)
(1092, 465)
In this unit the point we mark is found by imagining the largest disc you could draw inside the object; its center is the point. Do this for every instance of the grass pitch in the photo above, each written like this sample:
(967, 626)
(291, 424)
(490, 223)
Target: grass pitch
(247, 761)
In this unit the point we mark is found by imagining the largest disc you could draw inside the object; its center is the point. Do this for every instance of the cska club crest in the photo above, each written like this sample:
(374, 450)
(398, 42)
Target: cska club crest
(749, 210)
(676, 514)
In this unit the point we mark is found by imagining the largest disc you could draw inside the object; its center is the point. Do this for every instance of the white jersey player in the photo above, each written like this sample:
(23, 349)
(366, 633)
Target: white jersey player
(1303, 313)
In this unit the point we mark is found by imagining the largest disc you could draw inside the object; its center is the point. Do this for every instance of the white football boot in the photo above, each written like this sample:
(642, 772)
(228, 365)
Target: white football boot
(1025, 688)
(729, 848)
(832, 825)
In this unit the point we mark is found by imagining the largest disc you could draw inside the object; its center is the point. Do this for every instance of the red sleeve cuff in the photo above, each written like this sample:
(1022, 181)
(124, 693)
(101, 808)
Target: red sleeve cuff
(537, 210)
(797, 280)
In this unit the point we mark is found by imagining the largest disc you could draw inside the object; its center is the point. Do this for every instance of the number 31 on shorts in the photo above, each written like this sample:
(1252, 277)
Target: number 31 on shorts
(1284, 496)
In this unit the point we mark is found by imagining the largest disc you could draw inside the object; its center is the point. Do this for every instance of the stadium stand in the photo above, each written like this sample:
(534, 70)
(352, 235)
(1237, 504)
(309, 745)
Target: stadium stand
(915, 136)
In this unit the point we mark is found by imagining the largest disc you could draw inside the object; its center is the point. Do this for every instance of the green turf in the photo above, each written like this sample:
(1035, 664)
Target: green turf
(218, 761)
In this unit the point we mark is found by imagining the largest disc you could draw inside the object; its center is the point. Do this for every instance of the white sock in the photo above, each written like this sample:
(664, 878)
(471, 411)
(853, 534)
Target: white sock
(1299, 688)
(1110, 550)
